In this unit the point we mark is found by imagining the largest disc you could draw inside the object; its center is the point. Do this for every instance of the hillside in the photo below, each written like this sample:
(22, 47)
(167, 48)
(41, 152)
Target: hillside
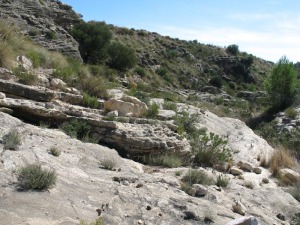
(161, 139)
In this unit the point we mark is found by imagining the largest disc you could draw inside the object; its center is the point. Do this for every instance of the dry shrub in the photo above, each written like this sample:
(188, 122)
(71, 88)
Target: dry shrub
(281, 158)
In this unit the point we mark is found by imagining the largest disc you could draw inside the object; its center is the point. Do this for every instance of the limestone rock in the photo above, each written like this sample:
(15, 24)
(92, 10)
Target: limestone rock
(127, 105)
(34, 93)
(200, 190)
(57, 83)
(2, 95)
(289, 174)
(24, 62)
(246, 166)
(239, 208)
(158, 101)
(250, 220)
(236, 171)
(114, 113)
(166, 114)
(257, 170)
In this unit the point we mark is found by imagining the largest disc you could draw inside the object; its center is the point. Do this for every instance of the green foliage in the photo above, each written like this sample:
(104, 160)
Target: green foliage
(281, 84)
(50, 35)
(186, 123)
(291, 113)
(152, 111)
(210, 150)
(11, 140)
(93, 38)
(194, 176)
(163, 72)
(54, 151)
(90, 101)
(35, 58)
(295, 191)
(25, 77)
(120, 57)
(216, 82)
(233, 49)
(165, 160)
(94, 86)
(78, 129)
(34, 177)
(222, 181)
(170, 106)
(140, 71)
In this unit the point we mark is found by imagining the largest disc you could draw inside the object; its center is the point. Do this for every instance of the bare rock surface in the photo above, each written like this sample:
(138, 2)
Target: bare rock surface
(126, 196)
(46, 22)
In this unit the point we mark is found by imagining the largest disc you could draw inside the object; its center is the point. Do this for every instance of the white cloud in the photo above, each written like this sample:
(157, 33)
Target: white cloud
(270, 44)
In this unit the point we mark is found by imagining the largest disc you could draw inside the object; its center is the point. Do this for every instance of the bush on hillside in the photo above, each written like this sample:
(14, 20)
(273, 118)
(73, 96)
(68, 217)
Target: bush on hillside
(34, 177)
(93, 38)
(216, 82)
(233, 49)
(281, 85)
(120, 57)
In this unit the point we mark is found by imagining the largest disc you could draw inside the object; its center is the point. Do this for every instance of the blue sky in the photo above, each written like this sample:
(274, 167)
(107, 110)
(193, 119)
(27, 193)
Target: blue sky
(266, 28)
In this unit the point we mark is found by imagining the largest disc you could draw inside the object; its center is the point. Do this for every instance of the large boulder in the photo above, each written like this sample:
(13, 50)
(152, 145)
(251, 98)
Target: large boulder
(126, 106)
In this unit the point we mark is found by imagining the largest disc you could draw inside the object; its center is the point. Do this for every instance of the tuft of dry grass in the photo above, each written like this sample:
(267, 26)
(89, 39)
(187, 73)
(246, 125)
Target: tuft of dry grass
(281, 158)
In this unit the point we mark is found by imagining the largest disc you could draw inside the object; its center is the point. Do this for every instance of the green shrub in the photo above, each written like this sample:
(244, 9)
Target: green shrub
(50, 35)
(11, 140)
(291, 113)
(140, 71)
(93, 38)
(77, 129)
(35, 58)
(210, 150)
(233, 49)
(94, 86)
(25, 77)
(295, 191)
(281, 85)
(186, 123)
(222, 181)
(54, 151)
(90, 101)
(165, 160)
(170, 106)
(216, 82)
(152, 111)
(249, 184)
(34, 177)
(120, 57)
(194, 176)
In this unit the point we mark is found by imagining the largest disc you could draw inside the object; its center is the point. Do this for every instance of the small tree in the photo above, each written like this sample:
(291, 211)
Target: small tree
(281, 84)
(233, 49)
(120, 57)
(93, 38)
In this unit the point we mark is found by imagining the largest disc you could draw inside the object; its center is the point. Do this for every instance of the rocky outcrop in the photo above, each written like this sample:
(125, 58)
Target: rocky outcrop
(126, 106)
(128, 195)
(47, 22)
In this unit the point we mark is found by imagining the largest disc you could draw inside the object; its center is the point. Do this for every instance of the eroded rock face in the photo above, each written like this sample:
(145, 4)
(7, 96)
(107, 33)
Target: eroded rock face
(46, 22)
(124, 196)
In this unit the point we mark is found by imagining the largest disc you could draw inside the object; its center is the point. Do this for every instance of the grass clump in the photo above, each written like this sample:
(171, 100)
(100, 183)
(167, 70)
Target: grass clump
(194, 176)
(222, 181)
(291, 113)
(295, 191)
(98, 221)
(54, 151)
(25, 77)
(164, 160)
(11, 140)
(210, 150)
(90, 101)
(34, 177)
(281, 158)
(152, 111)
(108, 164)
(249, 184)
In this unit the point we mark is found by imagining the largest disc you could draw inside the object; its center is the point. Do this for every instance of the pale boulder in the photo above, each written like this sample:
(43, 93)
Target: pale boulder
(250, 220)
(2, 95)
(57, 83)
(126, 106)
(246, 166)
(24, 62)
(289, 174)
(239, 208)
(236, 171)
